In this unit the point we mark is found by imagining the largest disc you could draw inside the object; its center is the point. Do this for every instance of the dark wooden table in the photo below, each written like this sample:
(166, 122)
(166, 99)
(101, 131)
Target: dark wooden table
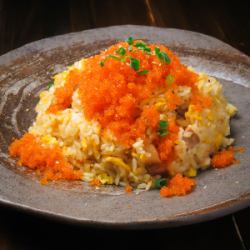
(25, 21)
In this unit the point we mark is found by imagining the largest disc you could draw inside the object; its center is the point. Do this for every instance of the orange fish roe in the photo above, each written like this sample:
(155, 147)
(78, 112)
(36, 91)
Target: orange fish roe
(166, 144)
(50, 162)
(63, 95)
(224, 158)
(114, 92)
(166, 150)
(178, 185)
(172, 100)
(239, 149)
(95, 183)
(200, 101)
(128, 189)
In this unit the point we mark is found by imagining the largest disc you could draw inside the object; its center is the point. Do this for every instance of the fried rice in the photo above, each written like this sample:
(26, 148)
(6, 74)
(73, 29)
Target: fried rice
(132, 116)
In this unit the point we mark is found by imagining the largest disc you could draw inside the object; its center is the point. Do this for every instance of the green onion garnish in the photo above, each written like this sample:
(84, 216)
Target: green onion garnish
(159, 183)
(147, 50)
(140, 45)
(109, 56)
(143, 46)
(158, 52)
(165, 57)
(169, 79)
(121, 51)
(162, 55)
(134, 63)
(130, 40)
(114, 57)
(163, 128)
(143, 72)
(50, 84)
(103, 61)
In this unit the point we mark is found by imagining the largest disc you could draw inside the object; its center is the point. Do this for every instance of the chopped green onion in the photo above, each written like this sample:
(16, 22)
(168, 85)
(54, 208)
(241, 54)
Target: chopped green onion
(162, 133)
(134, 63)
(165, 57)
(161, 182)
(123, 59)
(115, 57)
(163, 123)
(162, 55)
(121, 51)
(143, 72)
(110, 56)
(147, 50)
(130, 47)
(158, 52)
(163, 128)
(169, 79)
(50, 84)
(103, 61)
(140, 45)
(130, 40)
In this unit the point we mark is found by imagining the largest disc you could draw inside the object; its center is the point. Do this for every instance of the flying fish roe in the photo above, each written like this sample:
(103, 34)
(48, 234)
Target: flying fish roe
(113, 94)
(201, 102)
(173, 100)
(166, 144)
(95, 183)
(178, 186)
(224, 158)
(63, 95)
(128, 189)
(50, 162)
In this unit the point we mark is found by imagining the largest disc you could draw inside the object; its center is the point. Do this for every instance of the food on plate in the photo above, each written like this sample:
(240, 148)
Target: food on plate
(133, 116)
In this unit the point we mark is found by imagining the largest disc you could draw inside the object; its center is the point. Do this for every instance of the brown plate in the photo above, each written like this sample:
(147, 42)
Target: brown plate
(26, 71)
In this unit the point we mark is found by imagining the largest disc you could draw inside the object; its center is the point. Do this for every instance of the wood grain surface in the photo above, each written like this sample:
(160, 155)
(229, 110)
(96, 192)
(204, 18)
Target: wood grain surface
(25, 21)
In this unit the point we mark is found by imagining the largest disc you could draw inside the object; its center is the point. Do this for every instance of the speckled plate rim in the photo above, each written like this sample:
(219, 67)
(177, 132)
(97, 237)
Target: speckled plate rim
(200, 215)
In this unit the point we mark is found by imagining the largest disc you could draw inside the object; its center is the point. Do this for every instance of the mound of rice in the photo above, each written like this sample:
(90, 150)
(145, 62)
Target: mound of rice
(84, 127)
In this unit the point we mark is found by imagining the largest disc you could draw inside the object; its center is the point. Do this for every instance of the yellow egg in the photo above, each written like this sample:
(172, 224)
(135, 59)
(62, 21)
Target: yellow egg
(118, 162)
(84, 144)
(142, 157)
(218, 140)
(160, 105)
(105, 179)
(210, 116)
(231, 109)
(48, 139)
(192, 172)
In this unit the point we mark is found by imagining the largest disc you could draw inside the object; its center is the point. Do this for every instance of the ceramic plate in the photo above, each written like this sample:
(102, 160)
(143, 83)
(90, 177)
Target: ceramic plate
(24, 72)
